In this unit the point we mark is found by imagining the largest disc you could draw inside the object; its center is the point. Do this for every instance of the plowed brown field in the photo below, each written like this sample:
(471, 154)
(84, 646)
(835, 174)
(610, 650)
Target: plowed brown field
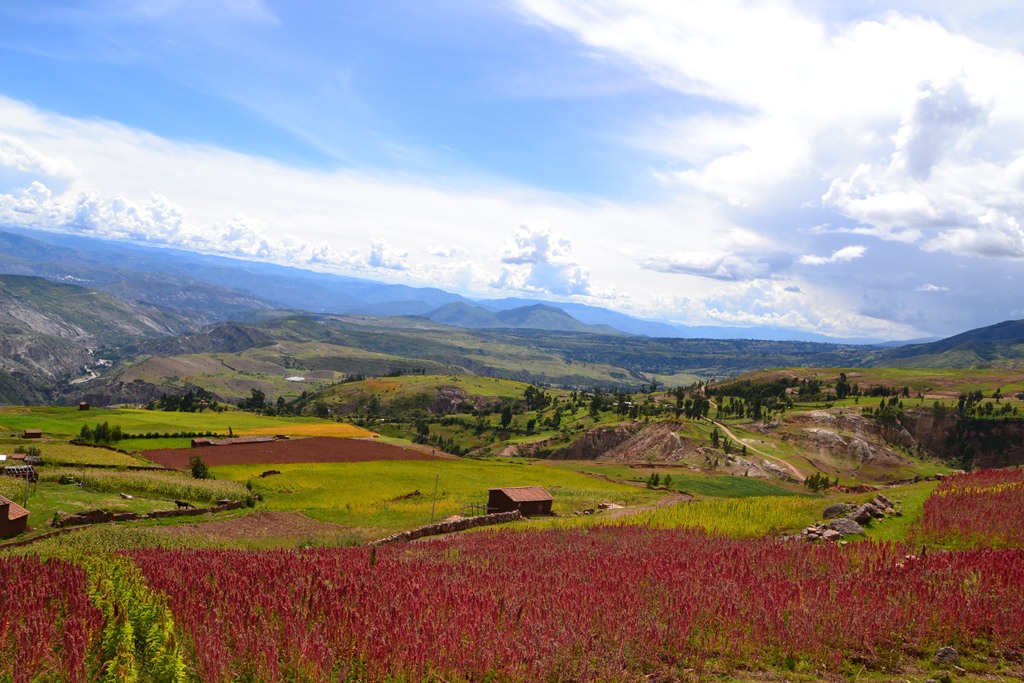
(316, 449)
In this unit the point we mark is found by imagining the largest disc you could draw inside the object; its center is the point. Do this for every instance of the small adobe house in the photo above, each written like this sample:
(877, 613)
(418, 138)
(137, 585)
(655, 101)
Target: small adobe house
(529, 500)
(13, 518)
(84, 405)
(32, 434)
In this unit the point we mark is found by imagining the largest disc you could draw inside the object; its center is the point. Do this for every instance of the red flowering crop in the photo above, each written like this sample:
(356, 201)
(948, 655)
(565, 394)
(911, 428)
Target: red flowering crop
(47, 623)
(599, 605)
(980, 509)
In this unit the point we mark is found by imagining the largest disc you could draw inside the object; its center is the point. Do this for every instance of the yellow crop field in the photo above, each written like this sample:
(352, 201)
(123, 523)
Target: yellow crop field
(393, 495)
(736, 517)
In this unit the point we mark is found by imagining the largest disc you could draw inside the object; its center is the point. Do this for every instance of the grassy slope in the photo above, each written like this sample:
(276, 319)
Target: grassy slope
(932, 382)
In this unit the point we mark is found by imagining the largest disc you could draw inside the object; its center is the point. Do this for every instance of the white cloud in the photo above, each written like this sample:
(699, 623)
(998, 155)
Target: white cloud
(382, 255)
(539, 261)
(781, 304)
(443, 251)
(839, 256)
(21, 164)
(714, 265)
(931, 288)
(891, 119)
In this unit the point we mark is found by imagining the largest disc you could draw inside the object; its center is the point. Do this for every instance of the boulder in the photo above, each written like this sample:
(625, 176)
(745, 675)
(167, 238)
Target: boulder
(831, 535)
(947, 655)
(846, 526)
(838, 510)
(862, 515)
(884, 500)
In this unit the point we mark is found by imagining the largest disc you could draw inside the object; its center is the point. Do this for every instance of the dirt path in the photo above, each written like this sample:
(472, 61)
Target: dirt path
(619, 513)
(728, 432)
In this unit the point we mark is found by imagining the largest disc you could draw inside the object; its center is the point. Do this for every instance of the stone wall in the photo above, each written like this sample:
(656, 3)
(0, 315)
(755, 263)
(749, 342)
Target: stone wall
(449, 527)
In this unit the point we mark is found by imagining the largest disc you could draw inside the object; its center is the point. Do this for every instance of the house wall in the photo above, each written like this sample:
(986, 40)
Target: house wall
(8, 527)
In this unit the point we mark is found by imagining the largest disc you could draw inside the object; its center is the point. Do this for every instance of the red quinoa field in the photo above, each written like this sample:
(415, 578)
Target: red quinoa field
(615, 604)
(984, 508)
(47, 623)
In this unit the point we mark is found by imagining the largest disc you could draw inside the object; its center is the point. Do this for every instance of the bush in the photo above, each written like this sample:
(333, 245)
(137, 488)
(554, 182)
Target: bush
(199, 468)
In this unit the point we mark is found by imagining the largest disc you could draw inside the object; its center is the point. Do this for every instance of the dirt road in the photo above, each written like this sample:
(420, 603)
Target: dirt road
(789, 468)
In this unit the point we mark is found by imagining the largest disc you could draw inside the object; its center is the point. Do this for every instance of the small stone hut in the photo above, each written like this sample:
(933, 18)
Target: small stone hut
(13, 518)
(529, 500)
(83, 405)
(32, 434)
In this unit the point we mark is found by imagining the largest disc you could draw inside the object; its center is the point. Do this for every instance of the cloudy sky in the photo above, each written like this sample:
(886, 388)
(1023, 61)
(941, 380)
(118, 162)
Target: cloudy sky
(853, 169)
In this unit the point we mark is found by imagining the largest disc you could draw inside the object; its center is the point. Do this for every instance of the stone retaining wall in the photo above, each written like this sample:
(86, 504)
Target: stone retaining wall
(449, 527)
(102, 516)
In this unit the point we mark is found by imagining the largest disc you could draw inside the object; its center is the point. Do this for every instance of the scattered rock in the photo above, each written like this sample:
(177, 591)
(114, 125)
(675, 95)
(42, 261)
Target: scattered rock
(270, 473)
(884, 500)
(947, 655)
(127, 497)
(609, 506)
(830, 535)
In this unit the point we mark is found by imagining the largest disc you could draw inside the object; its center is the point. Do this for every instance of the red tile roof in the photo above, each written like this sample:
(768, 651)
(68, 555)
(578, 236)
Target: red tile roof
(15, 511)
(523, 494)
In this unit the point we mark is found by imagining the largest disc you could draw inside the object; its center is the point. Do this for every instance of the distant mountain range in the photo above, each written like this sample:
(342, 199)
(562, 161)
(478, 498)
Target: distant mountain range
(217, 288)
(118, 323)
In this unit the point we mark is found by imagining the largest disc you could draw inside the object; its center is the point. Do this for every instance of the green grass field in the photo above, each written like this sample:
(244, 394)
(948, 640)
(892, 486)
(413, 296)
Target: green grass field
(363, 494)
(65, 423)
(911, 504)
(684, 480)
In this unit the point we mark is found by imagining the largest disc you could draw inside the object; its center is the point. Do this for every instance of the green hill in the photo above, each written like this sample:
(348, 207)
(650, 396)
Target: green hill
(1002, 343)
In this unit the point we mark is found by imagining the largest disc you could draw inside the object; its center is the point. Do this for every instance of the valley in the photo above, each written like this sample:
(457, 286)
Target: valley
(207, 434)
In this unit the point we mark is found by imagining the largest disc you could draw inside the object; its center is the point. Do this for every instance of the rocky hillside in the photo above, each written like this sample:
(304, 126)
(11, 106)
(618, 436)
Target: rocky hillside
(843, 443)
(53, 334)
(967, 442)
(835, 443)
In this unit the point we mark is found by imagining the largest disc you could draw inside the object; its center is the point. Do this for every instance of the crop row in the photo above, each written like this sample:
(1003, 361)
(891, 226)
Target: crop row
(614, 603)
(984, 508)
(173, 485)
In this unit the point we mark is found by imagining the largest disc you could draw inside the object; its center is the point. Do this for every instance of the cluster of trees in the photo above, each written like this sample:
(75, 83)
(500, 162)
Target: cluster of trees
(820, 482)
(105, 433)
(196, 398)
(719, 440)
(258, 403)
(691, 402)
(654, 481)
(101, 434)
(888, 412)
(972, 405)
(756, 399)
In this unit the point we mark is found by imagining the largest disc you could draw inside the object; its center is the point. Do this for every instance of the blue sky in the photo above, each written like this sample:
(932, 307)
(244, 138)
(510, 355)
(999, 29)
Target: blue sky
(850, 169)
